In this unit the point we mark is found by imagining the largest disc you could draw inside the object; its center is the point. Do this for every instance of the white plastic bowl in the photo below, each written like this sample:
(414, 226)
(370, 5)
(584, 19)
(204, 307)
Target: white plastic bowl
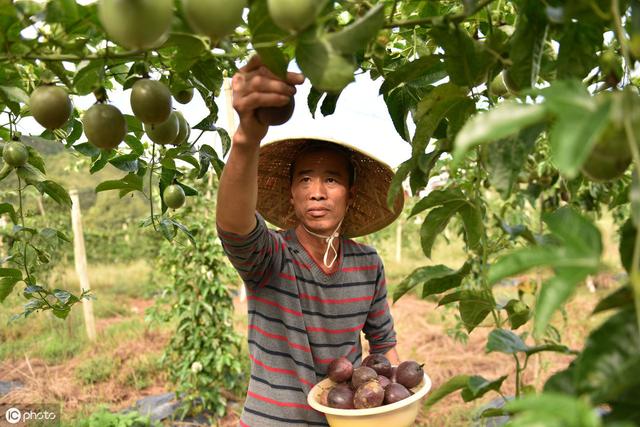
(399, 414)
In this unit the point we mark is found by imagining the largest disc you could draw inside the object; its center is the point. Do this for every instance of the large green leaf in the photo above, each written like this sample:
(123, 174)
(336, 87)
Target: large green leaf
(473, 225)
(56, 192)
(478, 386)
(552, 410)
(7, 208)
(435, 278)
(475, 306)
(518, 313)
(425, 71)
(453, 384)
(327, 69)
(578, 47)
(448, 281)
(610, 361)
(131, 182)
(355, 37)
(505, 341)
(505, 120)
(265, 33)
(435, 223)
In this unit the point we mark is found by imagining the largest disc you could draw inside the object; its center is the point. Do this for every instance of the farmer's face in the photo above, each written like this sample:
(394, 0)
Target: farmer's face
(320, 190)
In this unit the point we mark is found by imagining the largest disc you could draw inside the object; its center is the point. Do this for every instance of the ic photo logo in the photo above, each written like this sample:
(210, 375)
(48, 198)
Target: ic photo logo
(13, 415)
(32, 414)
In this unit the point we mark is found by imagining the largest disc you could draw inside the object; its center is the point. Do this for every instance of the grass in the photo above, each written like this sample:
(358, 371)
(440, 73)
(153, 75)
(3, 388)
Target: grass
(96, 369)
(46, 337)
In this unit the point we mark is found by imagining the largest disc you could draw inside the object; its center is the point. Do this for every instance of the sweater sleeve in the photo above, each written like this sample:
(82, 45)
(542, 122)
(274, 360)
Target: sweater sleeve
(379, 329)
(255, 255)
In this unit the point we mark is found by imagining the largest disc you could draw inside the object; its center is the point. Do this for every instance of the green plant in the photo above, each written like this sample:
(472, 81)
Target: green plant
(96, 369)
(104, 418)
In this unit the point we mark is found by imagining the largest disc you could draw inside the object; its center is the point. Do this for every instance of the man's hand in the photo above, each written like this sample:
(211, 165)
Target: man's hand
(254, 86)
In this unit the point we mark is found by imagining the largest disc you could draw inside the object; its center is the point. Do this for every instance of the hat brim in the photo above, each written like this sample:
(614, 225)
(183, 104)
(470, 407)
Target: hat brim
(368, 212)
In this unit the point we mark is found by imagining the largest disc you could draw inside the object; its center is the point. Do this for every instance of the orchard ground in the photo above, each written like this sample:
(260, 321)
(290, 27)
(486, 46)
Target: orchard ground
(56, 363)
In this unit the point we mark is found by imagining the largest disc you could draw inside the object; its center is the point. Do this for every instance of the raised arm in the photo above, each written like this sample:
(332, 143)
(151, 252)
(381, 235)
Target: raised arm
(253, 86)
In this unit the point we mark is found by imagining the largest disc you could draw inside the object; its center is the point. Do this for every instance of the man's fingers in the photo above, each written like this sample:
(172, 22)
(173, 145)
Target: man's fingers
(259, 83)
(254, 63)
(259, 99)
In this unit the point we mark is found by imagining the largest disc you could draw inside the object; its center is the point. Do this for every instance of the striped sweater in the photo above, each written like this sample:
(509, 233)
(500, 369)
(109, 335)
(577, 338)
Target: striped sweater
(301, 318)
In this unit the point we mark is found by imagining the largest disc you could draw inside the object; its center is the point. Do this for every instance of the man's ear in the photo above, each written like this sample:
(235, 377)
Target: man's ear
(352, 195)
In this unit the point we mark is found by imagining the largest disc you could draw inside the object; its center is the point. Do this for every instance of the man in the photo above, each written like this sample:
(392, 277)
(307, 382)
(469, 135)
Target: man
(311, 291)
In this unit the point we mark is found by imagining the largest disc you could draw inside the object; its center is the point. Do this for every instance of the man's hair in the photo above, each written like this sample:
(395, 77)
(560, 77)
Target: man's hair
(314, 146)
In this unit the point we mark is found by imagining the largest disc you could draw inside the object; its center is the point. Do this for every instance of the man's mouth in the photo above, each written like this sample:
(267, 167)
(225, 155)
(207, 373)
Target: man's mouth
(317, 212)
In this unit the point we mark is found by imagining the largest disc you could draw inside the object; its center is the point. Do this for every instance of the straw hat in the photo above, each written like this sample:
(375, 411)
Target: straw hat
(368, 212)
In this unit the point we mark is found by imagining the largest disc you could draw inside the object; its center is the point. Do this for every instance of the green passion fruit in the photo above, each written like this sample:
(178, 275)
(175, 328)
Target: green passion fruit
(184, 96)
(294, 15)
(184, 130)
(150, 101)
(15, 154)
(214, 18)
(165, 132)
(51, 106)
(173, 196)
(136, 24)
(104, 125)
(610, 156)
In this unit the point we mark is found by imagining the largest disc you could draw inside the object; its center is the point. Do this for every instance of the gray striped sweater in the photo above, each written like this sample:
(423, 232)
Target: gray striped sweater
(301, 318)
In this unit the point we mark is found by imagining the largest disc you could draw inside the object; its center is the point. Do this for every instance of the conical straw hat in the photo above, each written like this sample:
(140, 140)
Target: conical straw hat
(368, 212)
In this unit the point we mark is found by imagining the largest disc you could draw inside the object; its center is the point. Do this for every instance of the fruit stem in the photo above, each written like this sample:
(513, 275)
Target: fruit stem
(21, 212)
(634, 277)
(151, 165)
(615, 10)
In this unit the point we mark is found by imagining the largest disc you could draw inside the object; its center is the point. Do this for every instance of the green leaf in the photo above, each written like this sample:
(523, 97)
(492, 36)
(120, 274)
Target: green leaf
(478, 386)
(473, 225)
(438, 198)
(396, 182)
(133, 125)
(126, 162)
(135, 144)
(31, 174)
(131, 182)
(400, 102)
(466, 65)
(434, 224)
(11, 272)
(56, 192)
(475, 306)
(620, 298)
(7, 208)
(15, 94)
(579, 42)
(88, 77)
(265, 31)
(574, 134)
(102, 161)
(527, 45)
(420, 276)
(87, 149)
(355, 37)
(456, 383)
(6, 286)
(327, 69)
(428, 69)
(505, 341)
(576, 231)
(518, 313)
(445, 282)
(627, 242)
(610, 360)
(552, 410)
(208, 73)
(505, 120)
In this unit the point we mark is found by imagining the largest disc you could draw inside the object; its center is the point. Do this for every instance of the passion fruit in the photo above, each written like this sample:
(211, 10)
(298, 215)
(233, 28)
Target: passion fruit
(214, 18)
(395, 393)
(362, 375)
(15, 154)
(498, 86)
(378, 363)
(51, 106)
(340, 369)
(173, 196)
(184, 130)
(368, 395)
(184, 96)
(409, 374)
(276, 116)
(294, 15)
(136, 24)
(150, 101)
(610, 157)
(104, 126)
(165, 132)
(340, 397)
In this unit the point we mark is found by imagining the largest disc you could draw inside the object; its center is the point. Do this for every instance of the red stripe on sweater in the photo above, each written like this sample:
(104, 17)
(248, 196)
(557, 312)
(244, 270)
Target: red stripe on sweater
(280, 338)
(360, 268)
(243, 424)
(383, 345)
(300, 264)
(275, 304)
(277, 403)
(334, 301)
(288, 277)
(334, 331)
(329, 360)
(377, 313)
(280, 370)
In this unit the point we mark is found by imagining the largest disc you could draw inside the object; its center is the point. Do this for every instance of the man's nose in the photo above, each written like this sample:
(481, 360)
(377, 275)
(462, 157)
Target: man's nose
(317, 190)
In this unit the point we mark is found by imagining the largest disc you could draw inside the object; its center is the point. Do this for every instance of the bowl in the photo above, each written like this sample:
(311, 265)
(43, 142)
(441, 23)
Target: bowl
(399, 414)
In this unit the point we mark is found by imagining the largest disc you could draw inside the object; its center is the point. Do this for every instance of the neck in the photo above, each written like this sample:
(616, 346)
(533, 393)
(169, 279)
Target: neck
(317, 246)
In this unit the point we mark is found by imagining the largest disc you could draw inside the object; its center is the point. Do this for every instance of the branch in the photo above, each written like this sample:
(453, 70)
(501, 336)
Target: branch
(433, 20)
